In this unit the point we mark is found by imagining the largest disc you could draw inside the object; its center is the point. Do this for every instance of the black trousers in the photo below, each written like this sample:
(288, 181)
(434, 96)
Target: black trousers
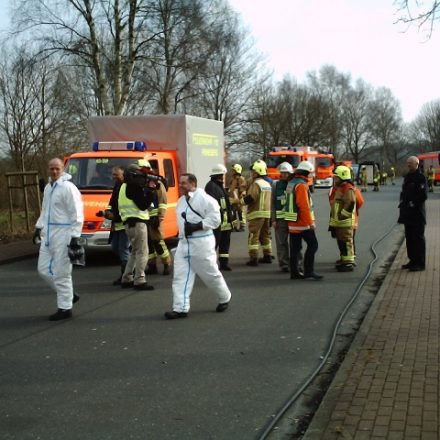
(222, 242)
(309, 237)
(415, 244)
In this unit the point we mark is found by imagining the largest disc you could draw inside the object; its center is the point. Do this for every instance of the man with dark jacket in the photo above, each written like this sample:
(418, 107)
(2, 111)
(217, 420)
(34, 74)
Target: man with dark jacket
(413, 215)
(215, 188)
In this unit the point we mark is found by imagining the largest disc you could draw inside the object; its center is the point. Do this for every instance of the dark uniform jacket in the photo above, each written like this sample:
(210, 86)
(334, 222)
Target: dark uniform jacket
(412, 199)
(215, 189)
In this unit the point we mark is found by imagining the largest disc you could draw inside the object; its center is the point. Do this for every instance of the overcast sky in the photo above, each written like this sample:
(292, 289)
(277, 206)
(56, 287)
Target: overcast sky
(356, 36)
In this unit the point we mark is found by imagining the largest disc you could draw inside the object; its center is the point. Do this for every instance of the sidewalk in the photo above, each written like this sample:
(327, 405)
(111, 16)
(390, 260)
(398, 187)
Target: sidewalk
(388, 385)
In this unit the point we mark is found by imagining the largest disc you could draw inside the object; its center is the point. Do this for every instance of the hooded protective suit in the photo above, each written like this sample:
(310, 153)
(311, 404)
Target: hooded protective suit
(61, 219)
(196, 253)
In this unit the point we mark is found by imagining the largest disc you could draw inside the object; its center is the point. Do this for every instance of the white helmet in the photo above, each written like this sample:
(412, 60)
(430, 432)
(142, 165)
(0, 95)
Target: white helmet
(285, 167)
(305, 166)
(218, 169)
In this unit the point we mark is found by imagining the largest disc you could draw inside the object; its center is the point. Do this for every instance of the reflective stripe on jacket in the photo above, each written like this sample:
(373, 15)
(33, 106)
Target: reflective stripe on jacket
(261, 192)
(343, 208)
(279, 199)
(299, 206)
(127, 208)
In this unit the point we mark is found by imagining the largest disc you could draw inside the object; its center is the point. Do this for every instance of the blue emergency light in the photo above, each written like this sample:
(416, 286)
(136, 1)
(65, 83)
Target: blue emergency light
(119, 146)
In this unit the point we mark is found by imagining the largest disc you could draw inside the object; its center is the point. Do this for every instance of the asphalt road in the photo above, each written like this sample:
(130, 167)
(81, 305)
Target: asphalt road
(118, 370)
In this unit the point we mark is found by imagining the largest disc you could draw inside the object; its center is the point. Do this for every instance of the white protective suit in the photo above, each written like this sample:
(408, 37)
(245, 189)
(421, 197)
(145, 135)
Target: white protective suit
(196, 254)
(61, 219)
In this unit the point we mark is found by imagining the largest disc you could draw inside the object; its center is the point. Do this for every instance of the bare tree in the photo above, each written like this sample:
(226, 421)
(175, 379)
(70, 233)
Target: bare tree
(40, 115)
(21, 119)
(332, 86)
(427, 125)
(419, 13)
(182, 41)
(356, 130)
(232, 68)
(386, 124)
(107, 37)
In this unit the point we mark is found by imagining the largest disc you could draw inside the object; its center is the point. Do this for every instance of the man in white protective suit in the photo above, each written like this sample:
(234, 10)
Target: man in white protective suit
(58, 227)
(198, 214)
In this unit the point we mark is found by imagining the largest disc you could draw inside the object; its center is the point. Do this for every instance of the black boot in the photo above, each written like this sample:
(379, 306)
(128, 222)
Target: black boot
(224, 264)
(61, 314)
(166, 269)
(117, 282)
(295, 272)
(252, 262)
(151, 269)
(267, 259)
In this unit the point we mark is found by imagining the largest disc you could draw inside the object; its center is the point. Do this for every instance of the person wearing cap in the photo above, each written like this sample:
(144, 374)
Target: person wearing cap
(412, 214)
(279, 222)
(135, 197)
(301, 223)
(198, 214)
(215, 188)
(237, 190)
(258, 201)
(343, 217)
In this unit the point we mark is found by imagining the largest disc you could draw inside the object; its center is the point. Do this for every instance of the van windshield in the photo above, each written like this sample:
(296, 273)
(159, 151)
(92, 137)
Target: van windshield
(275, 161)
(96, 172)
(324, 162)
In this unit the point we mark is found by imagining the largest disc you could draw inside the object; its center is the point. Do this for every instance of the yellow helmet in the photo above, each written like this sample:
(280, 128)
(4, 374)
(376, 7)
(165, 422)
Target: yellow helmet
(342, 172)
(237, 168)
(260, 167)
(143, 163)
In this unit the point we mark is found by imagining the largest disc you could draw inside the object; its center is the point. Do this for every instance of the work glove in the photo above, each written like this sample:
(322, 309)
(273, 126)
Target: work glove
(100, 214)
(192, 227)
(76, 252)
(75, 243)
(248, 199)
(36, 239)
(332, 231)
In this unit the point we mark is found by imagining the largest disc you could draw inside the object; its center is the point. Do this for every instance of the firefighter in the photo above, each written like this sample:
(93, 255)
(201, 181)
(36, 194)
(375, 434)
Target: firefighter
(258, 200)
(376, 180)
(431, 177)
(278, 221)
(392, 175)
(237, 190)
(343, 218)
(363, 178)
(301, 223)
(156, 243)
(215, 188)
(383, 176)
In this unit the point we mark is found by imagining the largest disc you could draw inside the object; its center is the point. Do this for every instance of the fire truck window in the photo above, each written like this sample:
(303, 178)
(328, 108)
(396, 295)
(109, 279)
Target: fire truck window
(169, 172)
(101, 175)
